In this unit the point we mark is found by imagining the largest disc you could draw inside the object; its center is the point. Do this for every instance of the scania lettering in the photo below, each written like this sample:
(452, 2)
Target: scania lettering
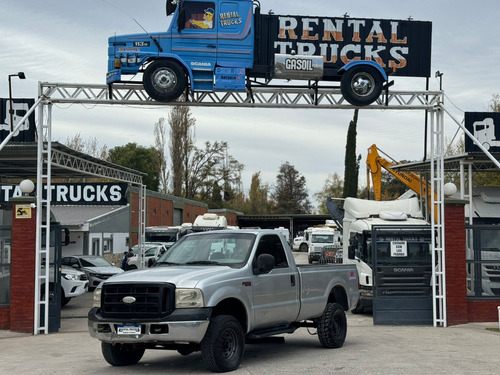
(207, 41)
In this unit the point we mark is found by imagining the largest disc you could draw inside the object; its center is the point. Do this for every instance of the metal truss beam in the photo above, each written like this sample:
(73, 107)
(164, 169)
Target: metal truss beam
(80, 165)
(259, 97)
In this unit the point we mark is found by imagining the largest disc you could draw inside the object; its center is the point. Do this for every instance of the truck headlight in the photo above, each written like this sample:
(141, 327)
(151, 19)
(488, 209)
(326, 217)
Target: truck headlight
(69, 276)
(188, 298)
(97, 297)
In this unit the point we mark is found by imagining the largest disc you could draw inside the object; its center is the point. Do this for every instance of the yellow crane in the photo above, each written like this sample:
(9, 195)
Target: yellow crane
(374, 165)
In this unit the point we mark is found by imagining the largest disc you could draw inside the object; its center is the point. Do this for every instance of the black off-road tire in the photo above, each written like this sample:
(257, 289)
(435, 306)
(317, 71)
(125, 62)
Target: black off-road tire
(121, 354)
(223, 346)
(332, 326)
(164, 80)
(361, 85)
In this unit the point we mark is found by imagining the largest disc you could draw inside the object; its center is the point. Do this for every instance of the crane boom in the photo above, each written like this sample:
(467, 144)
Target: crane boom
(374, 165)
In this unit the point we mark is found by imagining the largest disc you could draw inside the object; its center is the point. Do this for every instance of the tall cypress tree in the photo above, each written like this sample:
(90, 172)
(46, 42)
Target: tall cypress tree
(351, 163)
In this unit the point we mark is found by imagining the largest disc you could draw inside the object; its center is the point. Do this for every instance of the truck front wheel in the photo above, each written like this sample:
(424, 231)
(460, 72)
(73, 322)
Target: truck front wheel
(332, 326)
(121, 354)
(303, 248)
(223, 345)
(164, 80)
(361, 85)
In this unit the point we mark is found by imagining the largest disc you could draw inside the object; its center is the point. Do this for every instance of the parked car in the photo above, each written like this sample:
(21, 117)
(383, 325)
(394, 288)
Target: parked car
(152, 251)
(96, 267)
(73, 284)
(296, 242)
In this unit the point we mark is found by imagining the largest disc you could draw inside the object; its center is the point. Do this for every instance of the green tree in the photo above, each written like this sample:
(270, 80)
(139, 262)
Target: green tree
(258, 202)
(182, 126)
(290, 193)
(333, 188)
(160, 144)
(141, 159)
(351, 163)
(212, 171)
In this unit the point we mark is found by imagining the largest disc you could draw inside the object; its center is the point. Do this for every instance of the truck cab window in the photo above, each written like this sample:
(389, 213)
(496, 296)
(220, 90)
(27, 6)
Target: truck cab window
(271, 244)
(200, 15)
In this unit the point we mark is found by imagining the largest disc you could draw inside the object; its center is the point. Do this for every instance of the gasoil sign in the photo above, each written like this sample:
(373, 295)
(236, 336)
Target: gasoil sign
(485, 127)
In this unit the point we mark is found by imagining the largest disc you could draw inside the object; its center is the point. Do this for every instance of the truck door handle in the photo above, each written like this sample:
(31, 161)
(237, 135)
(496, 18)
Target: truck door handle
(211, 46)
(292, 280)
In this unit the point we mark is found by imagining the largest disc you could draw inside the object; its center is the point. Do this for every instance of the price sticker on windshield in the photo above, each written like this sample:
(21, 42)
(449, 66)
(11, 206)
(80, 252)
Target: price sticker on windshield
(399, 249)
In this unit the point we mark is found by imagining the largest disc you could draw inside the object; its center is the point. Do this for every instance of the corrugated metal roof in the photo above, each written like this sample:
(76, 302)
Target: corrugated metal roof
(79, 215)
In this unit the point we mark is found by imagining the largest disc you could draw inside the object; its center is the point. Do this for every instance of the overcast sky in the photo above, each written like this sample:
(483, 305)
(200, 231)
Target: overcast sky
(66, 41)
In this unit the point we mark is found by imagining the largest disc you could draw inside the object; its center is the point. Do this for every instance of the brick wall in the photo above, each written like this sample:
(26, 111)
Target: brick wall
(456, 287)
(4, 317)
(22, 280)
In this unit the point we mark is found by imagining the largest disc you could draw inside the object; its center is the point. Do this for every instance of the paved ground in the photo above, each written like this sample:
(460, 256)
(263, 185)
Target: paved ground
(385, 350)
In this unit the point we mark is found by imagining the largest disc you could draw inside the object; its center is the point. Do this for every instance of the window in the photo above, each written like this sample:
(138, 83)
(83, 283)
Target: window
(271, 244)
(200, 15)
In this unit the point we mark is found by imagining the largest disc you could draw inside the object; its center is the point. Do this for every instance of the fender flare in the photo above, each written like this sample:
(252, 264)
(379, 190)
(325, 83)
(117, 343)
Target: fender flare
(373, 64)
(171, 56)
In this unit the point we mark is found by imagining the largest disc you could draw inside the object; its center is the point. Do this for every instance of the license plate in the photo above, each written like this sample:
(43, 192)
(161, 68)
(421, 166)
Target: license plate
(129, 330)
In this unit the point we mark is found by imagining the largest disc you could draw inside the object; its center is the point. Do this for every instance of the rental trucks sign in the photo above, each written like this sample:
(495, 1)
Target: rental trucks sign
(401, 46)
(90, 194)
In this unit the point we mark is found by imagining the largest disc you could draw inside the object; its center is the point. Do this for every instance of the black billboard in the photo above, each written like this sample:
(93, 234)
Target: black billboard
(400, 46)
(19, 107)
(485, 127)
(78, 194)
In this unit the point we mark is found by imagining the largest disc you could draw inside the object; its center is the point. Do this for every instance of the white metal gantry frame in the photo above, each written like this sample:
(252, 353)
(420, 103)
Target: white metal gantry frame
(262, 97)
(45, 158)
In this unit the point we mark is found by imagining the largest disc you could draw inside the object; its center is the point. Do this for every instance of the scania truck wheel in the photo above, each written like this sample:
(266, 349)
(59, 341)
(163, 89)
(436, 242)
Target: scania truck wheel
(361, 85)
(164, 80)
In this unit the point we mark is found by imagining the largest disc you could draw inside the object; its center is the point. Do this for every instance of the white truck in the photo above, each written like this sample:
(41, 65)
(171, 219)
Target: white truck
(484, 131)
(209, 221)
(214, 289)
(317, 237)
(360, 217)
(150, 251)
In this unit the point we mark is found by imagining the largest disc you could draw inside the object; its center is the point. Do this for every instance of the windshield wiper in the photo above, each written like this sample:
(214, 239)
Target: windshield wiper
(169, 263)
(203, 262)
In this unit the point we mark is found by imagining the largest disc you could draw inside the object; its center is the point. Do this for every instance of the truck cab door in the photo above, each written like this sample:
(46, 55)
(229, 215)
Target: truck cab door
(194, 40)
(235, 37)
(275, 294)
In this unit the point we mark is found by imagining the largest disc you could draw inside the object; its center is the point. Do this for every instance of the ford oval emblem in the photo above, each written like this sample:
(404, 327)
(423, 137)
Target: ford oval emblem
(129, 299)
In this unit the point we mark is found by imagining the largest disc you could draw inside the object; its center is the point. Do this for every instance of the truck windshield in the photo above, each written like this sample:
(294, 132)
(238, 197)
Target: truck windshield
(220, 247)
(161, 236)
(322, 238)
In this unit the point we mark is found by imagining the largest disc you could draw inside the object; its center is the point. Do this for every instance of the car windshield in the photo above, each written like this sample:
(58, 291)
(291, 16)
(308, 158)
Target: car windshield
(219, 247)
(95, 262)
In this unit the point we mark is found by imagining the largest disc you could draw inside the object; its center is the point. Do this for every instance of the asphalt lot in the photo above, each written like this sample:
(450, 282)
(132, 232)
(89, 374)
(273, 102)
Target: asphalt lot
(388, 350)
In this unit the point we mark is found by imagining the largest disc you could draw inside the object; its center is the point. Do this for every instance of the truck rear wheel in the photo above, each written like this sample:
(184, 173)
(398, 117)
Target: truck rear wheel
(332, 326)
(164, 80)
(223, 345)
(303, 248)
(361, 85)
(121, 354)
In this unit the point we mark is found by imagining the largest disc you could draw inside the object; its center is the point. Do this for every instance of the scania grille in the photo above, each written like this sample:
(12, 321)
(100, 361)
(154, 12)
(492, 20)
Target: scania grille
(137, 300)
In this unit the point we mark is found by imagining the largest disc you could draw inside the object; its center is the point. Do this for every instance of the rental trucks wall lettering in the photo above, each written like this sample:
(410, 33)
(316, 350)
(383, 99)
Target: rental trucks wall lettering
(230, 46)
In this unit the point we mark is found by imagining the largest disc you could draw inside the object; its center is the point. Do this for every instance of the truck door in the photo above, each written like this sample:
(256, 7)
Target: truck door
(402, 270)
(194, 39)
(276, 294)
(235, 34)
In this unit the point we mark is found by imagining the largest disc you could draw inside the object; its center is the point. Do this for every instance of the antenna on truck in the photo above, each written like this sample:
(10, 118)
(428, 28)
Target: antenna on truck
(137, 22)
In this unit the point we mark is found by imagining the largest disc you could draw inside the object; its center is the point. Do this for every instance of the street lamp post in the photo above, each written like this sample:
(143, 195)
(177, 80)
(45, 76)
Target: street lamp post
(11, 111)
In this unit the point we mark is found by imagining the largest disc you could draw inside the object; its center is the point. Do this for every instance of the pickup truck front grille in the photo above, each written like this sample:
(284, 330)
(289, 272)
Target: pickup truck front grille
(137, 300)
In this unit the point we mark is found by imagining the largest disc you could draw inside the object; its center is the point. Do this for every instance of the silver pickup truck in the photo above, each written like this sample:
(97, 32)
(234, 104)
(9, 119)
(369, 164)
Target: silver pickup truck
(212, 290)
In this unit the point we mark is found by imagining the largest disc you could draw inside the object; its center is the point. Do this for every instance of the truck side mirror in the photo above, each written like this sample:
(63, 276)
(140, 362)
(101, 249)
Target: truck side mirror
(265, 264)
(171, 7)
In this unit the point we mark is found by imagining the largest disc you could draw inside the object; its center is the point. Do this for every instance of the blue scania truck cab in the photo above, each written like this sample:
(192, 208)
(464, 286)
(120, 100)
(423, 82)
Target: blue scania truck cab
(222, 45)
